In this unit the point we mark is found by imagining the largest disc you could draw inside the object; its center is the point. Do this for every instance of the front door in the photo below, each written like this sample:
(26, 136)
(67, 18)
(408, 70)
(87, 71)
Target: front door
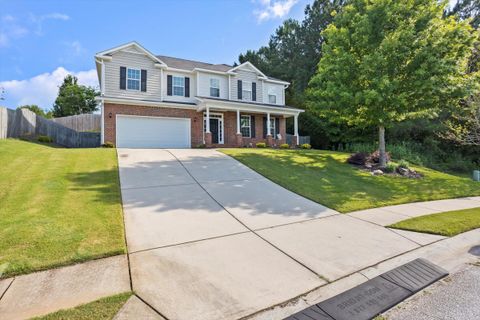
(214, 130)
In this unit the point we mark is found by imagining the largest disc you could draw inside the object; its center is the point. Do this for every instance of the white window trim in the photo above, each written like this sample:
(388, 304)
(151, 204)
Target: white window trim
(244, 88)
(173, 86)
(218, 87)
(139, 80)
(249, 125)
(272, 95)
(219, 116)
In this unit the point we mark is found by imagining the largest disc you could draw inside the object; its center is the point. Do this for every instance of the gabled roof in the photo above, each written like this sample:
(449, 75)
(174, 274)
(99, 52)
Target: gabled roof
(185, 64)
(249, 64)
(127, 45)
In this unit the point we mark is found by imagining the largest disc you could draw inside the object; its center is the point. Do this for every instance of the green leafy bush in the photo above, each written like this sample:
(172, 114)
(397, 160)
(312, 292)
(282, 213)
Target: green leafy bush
(261, 145)
(45, 139)
(108, 145)
(284, 146)
(306, 146)
(391, 167)
(201, 145)
(403, 164)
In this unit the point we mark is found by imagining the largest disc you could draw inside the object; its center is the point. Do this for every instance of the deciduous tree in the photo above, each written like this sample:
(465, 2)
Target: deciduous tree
(74, 98)
(385, 61)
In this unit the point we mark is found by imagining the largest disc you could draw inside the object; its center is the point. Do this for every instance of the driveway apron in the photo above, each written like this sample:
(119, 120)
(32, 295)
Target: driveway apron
(210, 238)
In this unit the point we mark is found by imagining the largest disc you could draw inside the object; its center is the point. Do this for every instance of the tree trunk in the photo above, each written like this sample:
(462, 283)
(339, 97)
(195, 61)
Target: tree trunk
(381, 146)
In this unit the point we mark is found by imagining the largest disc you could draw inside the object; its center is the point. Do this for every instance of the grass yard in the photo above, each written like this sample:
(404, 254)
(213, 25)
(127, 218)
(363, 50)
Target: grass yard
(102, 309)
(325, 177)
(447, 224)
(57, 206)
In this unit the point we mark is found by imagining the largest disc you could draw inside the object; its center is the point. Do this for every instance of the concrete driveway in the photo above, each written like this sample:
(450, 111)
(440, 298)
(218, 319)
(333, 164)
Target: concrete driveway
(211, 239)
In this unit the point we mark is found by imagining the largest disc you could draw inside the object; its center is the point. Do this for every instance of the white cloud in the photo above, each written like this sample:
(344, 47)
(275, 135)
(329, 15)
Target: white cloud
(12, 28)
(42, 89)
(39, 20)
(270, 9)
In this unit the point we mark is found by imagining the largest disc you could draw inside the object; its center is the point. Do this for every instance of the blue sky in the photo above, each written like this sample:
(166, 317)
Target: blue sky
(41, 41)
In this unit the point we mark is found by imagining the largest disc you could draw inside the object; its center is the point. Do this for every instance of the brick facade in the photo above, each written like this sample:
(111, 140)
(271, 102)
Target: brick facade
(197, 138)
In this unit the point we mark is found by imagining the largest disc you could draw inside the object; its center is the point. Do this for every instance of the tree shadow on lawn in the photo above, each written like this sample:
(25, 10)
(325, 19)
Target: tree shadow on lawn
(326, 178)
(103, 184)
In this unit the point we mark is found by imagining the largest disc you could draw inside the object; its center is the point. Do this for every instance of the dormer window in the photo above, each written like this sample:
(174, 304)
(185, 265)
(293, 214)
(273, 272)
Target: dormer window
(246, 91)
(214, 88)
(133, 79)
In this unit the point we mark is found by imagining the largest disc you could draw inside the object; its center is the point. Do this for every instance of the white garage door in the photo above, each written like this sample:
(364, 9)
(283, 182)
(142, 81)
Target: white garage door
(152, 132)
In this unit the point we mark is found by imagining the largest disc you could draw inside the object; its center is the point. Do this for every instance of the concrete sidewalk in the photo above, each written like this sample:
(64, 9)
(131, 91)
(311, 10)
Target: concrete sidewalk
(385, 216)
(43, 292)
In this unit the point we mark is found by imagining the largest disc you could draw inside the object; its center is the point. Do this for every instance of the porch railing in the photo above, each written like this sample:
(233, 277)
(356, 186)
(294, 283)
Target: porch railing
(301, 139)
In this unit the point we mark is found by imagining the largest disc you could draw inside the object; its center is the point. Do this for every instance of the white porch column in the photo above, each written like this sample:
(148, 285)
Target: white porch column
(268, 124)
(295, 128)
(238, 121)
(207, 121)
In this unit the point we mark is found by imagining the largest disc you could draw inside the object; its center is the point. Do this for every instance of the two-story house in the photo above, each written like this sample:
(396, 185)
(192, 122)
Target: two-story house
(152, 101)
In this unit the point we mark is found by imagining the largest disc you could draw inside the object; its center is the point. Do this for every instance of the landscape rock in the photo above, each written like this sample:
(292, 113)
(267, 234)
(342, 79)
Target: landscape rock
(377, 172)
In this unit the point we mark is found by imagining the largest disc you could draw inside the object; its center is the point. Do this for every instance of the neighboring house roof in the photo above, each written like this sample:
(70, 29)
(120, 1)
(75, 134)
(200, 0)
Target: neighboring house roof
(185, 64)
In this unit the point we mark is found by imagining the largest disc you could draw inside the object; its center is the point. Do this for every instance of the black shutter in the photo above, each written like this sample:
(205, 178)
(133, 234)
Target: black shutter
(252, 126)
(169, 85)
(277, 127)
(143, 81)
(239, 89)
(254, 91)
(123, 78)
(264, 127)
(187, 87)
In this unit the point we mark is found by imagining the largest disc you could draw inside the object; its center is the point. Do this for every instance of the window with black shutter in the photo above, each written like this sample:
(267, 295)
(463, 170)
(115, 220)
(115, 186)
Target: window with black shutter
(169, 85)
(254, 91)
(187, 87)
(143, 86)
(239, 89)
(123, 78)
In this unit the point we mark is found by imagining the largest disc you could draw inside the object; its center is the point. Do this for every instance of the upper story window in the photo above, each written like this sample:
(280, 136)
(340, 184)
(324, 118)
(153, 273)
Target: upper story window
(214, 88)
(272, 98)
(133, 79)
(178, 86)
(247, 91)
(245, 126)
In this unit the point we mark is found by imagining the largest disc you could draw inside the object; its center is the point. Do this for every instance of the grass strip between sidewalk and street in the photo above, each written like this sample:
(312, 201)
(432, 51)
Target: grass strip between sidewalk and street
(447, 224)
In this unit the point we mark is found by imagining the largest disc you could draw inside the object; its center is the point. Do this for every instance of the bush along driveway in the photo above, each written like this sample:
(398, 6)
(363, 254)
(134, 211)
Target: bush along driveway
(326, 178)
(58, 206)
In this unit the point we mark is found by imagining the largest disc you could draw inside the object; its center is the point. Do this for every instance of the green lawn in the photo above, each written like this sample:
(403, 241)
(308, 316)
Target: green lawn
(57, 206)
(102, 309)
(446, 223)
(325, 177)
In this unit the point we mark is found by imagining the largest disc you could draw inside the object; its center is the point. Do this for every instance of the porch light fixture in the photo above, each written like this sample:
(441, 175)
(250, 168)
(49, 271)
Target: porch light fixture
(110, 115)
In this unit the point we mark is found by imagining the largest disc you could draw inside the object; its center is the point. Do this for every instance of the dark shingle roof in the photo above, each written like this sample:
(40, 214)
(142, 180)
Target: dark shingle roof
(191, 64)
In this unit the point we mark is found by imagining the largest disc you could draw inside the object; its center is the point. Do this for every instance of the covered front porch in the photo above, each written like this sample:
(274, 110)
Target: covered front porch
(241, 124)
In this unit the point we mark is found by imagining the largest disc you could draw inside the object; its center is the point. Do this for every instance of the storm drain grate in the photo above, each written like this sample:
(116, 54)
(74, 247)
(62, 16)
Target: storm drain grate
(377, 295)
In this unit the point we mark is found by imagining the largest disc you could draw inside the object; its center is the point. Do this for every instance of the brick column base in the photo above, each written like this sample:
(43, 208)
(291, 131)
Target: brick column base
(269, 140)
(208, 139)
(239, 140)
(294, 142)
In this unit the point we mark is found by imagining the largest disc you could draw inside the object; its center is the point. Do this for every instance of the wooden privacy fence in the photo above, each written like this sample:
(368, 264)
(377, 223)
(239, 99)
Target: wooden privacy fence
(81, 122)
(301, 139)
(23, 122)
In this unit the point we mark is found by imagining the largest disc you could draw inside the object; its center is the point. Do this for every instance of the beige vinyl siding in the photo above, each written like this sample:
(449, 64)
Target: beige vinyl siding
(193, 86)
(248, 76)
(275, 88)
(204, 84)
(136, 61)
